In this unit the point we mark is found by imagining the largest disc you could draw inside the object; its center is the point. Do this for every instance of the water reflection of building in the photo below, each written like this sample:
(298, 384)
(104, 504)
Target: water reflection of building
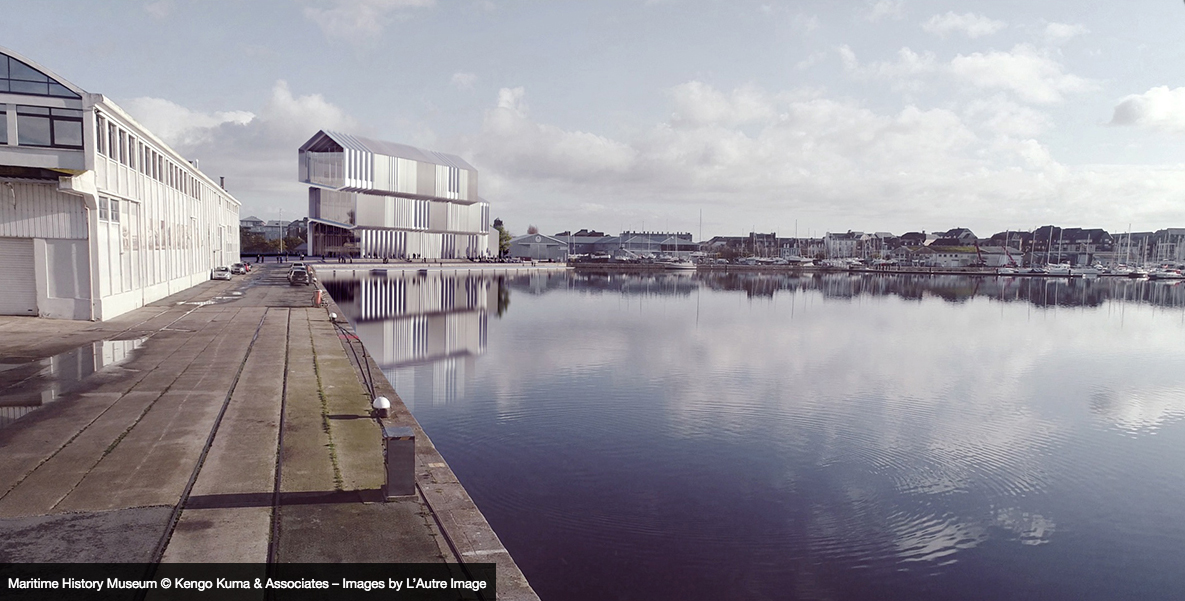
(1040, 291)
(27, 387)
(422, 330)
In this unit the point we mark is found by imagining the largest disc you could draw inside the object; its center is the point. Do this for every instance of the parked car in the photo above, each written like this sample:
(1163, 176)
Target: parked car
(220, 273)
(238, 269)
(299, 275)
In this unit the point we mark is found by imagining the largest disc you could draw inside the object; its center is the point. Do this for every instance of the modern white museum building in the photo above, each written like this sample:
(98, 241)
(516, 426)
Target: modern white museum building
(373, 199)
(97, 215)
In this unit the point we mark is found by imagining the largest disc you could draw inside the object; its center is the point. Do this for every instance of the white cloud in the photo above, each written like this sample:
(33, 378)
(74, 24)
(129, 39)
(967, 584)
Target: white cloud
(970, 24)
(781, 155)
(160, 9)
(537, 151)
(848, 57)
(697, 103)
(464, 81)
(908, 64)
(256, 151)
(360, 20)
(1060, 33)
(884, 9)
(813, 59)
(179, 126)
(1000, 116)
(1029, 74)
(1160, 109)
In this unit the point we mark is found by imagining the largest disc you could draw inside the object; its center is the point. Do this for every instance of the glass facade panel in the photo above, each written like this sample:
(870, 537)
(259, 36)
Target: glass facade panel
(18, 78)
(57, 89)
(39, 88)
(3, 125)
(32, 130)
(19, 70)
(67, 133)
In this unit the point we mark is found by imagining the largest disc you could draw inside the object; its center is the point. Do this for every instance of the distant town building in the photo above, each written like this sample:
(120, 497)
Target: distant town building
(589, 242)
(754, 245)
(959, 236)
(658, 243)
(374, 199)
(272, 230)
(846, 245)
(809, 248)
(99, 215)
(537, 247)
(964, 256)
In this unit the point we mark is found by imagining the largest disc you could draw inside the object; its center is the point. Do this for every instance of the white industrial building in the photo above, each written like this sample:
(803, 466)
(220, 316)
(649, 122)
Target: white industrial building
(97, 215)
(373, 199)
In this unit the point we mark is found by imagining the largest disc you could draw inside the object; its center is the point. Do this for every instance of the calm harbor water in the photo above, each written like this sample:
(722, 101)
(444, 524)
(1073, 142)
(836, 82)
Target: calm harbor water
(818, 437)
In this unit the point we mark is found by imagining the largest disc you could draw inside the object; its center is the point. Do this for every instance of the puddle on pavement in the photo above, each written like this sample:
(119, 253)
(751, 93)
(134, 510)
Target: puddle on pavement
(30, 385)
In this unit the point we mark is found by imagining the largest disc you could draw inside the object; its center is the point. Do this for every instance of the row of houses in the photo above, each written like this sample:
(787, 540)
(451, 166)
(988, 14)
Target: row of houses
(1046, 244)
(957, 247)
(275, 229)
(591, 243)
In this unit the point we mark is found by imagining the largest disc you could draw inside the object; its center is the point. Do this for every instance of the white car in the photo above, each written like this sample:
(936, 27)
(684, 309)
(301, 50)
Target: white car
(220, 273)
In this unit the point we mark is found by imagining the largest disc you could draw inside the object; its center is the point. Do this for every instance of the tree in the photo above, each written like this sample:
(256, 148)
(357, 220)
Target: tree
(503, 238)
(532, 230)
(252, 242)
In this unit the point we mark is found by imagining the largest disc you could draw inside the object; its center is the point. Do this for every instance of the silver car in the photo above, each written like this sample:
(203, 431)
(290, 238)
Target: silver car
(220, 273)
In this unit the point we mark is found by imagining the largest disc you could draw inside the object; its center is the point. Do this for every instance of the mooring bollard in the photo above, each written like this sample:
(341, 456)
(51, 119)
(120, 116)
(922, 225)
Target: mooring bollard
(399, 443)
(317, 298)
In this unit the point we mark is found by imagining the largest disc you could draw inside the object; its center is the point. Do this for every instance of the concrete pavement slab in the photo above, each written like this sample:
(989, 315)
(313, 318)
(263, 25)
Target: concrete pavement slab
(128, 535)
(308, 464)
(221, 535)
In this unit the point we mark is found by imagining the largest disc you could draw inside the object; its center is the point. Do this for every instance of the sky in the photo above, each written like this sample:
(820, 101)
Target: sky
(708, 116)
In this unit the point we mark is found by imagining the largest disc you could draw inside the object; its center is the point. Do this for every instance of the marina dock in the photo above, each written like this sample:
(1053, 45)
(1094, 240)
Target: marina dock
(228, 423)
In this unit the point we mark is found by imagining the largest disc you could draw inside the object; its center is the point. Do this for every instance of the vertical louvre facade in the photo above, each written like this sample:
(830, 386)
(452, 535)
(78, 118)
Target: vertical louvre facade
(373, 200)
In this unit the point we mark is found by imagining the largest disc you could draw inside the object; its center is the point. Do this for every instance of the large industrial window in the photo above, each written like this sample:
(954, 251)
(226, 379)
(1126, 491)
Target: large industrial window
(67, 127)
(43, 126)
(32, 125)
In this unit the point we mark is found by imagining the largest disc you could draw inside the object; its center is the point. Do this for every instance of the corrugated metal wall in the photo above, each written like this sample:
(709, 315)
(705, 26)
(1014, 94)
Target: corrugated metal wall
(17, 277)
(40, 211)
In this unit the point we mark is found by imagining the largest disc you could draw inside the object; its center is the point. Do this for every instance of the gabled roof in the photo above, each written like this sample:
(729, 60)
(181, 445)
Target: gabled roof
(330, 141)
(542, 238)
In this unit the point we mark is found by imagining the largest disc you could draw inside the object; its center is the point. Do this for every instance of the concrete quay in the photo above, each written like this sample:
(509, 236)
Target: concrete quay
(227, 423)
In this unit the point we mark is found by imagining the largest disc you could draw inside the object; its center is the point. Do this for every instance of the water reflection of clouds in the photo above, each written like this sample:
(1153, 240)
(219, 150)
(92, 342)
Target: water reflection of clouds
(1144, 410)
(928, 426)
(936, 400)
